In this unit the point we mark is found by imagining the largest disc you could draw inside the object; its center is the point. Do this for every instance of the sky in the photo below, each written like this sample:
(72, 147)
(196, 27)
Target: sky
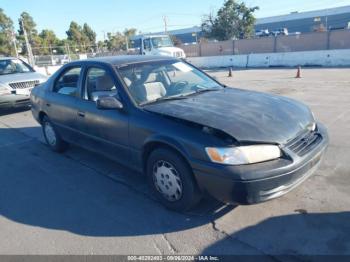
(147, 16)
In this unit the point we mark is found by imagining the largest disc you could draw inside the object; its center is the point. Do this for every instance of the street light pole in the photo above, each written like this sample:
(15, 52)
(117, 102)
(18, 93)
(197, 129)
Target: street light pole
(165, 24)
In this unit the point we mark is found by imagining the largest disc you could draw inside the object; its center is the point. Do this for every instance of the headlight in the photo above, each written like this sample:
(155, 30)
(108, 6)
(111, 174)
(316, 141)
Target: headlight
(243, 155)
(4, 90)
(312, 127)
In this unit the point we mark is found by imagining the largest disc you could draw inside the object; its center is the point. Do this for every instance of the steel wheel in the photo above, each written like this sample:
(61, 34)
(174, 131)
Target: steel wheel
(167, 180)
(50, 134)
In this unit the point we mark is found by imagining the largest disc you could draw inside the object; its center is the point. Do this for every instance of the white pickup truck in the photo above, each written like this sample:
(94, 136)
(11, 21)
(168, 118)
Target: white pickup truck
(157, 45)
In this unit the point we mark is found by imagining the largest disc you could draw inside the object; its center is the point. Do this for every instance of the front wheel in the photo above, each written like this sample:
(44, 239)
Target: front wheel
(52, 138)
(171, 180)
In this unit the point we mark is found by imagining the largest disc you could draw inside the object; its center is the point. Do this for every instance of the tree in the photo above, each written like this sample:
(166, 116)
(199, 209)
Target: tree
(118, 41)
(175, 40)
(233, 20)
(48, 41)
(30, 27)
(129, 33)
(6, 34)
(115, 42)
(89, 33)
(83, 38)
(74, 32)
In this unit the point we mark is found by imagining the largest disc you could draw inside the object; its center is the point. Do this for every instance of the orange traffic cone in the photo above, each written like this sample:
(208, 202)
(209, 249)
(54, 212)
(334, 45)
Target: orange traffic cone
(298, 72)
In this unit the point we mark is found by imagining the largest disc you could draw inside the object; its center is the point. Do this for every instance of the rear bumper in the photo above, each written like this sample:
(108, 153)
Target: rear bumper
(14, 101)
(260, 182)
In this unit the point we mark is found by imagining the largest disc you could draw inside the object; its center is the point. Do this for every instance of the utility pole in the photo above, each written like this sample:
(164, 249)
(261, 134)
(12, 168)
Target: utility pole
(13, 39)
(165, 20)
(68, 51)
(127, 43)
(29, 48)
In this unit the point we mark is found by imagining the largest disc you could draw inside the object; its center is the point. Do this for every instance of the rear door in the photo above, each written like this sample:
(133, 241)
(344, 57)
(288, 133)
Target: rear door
(62, 102)
(105, 131)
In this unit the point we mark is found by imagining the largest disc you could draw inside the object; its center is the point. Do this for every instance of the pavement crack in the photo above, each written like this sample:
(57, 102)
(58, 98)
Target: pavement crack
(170, 246)
(157, 248)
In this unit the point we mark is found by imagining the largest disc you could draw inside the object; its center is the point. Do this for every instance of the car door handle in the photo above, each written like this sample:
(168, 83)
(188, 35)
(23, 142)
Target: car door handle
(81, 114)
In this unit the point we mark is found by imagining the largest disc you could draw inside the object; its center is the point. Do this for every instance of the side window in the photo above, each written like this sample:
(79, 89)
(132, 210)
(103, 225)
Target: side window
(99, 83)
(147, 44)
(67, 83)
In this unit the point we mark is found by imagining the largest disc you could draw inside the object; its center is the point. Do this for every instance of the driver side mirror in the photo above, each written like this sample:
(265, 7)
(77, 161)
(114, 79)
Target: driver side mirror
(108, 102)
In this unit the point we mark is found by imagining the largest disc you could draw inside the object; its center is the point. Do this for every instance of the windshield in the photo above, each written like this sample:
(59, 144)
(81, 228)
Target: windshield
(13, 66)
(162, 41)
(156, 81)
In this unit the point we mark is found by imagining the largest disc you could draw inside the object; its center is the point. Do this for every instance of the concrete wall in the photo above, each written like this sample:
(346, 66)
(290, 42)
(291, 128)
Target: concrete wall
(339, 39)
(327, 58)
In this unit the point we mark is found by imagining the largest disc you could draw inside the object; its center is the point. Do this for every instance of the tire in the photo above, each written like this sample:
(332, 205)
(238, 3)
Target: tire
(171, 180)
(52, 138)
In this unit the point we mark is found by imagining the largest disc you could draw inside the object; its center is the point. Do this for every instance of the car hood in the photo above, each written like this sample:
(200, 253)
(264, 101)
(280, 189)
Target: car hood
(170, 49)
(245, 115)
(21, 77)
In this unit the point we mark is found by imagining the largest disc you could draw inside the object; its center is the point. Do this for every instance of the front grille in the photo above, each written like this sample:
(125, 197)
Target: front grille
(24, 85)
(178, 54)
(303, 144)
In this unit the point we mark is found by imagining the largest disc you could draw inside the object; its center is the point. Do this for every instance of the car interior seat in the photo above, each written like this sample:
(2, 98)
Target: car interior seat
(154, 88)
(104, 86)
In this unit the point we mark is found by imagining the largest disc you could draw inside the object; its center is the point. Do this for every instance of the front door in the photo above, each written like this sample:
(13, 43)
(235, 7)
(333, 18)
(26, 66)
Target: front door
(105, 131)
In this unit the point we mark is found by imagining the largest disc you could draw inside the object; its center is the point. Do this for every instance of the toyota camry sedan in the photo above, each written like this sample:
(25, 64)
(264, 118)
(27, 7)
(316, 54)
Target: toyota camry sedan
(190, 135)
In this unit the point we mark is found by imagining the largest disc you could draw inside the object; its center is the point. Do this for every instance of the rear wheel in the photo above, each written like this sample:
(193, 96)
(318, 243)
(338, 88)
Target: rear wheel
(52, 138)
(171, 180)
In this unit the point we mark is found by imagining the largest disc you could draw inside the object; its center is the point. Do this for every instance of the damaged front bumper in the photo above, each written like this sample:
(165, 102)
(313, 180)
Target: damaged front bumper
(254, 183)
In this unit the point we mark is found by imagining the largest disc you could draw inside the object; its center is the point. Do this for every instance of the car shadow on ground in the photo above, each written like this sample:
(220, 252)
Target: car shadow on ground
(82, 192)
(8, 111)
(303, 234)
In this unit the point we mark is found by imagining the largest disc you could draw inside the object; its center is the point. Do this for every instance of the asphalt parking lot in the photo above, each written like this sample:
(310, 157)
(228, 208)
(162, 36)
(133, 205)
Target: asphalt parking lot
(81, 203)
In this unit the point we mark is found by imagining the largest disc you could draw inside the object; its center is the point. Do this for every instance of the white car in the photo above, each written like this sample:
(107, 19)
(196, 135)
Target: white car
(17, 79)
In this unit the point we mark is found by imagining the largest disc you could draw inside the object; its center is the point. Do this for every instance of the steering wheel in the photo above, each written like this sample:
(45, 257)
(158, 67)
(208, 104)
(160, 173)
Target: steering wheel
(179, 87)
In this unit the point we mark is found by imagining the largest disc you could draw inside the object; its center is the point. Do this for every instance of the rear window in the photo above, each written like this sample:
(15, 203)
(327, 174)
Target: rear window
(67, 82)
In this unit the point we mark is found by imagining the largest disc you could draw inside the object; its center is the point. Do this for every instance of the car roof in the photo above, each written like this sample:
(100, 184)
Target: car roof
(128, 59)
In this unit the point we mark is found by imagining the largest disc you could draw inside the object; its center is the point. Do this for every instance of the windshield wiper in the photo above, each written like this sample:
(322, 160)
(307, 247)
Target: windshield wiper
(166, 98)
(204, 90)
